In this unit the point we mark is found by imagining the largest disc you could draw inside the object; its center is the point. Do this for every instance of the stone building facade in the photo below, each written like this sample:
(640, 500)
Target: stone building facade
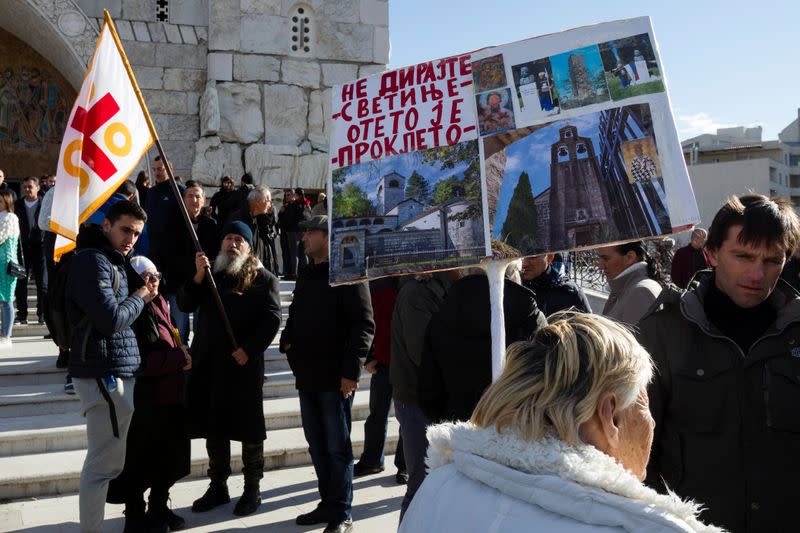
(232, 85)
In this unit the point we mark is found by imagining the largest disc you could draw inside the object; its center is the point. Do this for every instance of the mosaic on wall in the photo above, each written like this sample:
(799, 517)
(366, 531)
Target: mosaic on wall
(35, 102)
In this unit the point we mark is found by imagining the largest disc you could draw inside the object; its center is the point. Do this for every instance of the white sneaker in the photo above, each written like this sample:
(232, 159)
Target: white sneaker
(5, 342)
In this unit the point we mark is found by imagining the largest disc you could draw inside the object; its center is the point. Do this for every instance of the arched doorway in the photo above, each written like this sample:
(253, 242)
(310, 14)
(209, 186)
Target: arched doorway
(44, 49)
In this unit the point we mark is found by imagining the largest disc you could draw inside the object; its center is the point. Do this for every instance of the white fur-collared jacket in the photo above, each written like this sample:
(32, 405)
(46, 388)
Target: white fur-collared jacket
(484, 481)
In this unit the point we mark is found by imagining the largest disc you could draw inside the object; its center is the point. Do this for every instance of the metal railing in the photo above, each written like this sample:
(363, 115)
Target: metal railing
(582, 267)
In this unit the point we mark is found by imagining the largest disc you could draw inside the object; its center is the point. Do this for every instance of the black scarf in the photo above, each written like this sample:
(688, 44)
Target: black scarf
(743, 326)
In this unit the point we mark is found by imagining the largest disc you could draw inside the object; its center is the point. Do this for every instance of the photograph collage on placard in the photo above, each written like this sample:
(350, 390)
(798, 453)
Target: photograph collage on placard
(610, 71)
(579, 77)
(492, 97)
(537, 95)
(630, 67)
(560, 185)
(409, 212)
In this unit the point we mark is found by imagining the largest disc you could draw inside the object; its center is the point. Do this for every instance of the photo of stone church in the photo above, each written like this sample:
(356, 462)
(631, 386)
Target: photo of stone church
(567, 184)
(408, 213)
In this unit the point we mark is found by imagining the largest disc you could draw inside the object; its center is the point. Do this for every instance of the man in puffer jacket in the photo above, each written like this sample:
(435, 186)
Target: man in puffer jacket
(104, 355)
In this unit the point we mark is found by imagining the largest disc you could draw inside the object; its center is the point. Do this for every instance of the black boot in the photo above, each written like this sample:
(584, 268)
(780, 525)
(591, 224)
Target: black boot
(217, 494)
(249, 502)
(135, 521)
(161, 516)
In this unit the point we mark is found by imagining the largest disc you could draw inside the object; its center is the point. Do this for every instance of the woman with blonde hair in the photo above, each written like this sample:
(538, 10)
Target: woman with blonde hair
(559, 443)
(9, 243)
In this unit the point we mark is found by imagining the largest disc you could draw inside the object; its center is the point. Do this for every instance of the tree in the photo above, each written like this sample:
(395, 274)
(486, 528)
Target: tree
(351, 202)
(447, 189)
(418, 188)
(338, 177)
(521, 226)
(449, 156)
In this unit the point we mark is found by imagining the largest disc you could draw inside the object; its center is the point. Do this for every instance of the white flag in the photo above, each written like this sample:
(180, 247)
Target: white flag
(107, 134)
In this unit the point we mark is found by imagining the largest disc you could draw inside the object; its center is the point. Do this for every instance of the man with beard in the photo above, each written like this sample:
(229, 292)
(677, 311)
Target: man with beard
(224, 393)
(328, 331)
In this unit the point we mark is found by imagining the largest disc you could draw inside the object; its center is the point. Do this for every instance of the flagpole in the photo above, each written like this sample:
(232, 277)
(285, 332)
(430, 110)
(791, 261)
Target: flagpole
(175, 190)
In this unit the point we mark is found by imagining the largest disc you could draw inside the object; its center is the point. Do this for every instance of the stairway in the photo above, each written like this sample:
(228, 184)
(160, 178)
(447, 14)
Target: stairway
(43, 438)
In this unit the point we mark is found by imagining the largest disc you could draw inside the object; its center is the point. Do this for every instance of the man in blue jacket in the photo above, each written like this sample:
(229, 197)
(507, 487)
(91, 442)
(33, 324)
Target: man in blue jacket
(104, 355)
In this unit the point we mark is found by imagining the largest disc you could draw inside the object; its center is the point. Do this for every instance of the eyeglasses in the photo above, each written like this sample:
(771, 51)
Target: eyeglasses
(147, 276)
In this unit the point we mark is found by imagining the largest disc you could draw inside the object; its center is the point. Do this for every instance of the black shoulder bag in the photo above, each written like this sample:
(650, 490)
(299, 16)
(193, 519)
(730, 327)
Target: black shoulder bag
(15, 269)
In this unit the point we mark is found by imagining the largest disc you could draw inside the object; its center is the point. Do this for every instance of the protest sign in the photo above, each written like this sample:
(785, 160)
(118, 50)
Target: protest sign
(554, 143)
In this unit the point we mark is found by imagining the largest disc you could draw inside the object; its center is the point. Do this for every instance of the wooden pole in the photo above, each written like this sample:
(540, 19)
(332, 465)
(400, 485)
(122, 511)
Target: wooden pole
(176, 191)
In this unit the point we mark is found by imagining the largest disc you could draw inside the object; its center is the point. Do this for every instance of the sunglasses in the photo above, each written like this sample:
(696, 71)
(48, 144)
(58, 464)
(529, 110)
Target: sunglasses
(151, 277)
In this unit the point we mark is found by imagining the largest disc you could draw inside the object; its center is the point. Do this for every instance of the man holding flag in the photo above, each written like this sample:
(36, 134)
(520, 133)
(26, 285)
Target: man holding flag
(107, 133)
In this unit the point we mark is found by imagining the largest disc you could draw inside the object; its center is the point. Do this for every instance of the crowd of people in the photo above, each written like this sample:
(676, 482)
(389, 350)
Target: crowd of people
(675, 410)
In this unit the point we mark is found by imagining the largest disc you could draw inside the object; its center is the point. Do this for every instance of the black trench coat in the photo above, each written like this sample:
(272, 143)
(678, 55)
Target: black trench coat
(225, 400)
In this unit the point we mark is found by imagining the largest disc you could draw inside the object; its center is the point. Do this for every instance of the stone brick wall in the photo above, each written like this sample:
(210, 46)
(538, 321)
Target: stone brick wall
(264, 108)
(227, 92)
(169, 60)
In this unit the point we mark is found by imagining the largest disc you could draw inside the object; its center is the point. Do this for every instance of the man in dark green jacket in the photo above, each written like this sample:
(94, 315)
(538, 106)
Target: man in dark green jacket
(726, 398)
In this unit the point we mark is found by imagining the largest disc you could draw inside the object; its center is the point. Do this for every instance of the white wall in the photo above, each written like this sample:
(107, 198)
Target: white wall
(713, 183)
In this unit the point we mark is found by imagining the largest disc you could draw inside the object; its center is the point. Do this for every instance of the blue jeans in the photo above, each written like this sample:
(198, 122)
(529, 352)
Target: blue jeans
(326, 424)
(6, 318)
(179, 318)
(380, 401)
(413, 424)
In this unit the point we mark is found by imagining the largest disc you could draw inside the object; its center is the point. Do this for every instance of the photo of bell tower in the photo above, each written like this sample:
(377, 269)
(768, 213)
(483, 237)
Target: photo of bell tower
(578, 203)
(590, 179)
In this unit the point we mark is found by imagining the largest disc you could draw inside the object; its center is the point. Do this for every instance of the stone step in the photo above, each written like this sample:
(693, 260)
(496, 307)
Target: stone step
(45, 399)
(26, 435)
(35, 329)
(42, 474)
(27, 367)
(286, 296)
(29, 330)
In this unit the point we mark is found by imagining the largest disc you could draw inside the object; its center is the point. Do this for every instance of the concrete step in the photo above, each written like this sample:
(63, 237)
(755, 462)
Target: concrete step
(34, 363)
(30, 330)
(52, 473)
(46, 399)
(25, 435)
(34, 329)
(286, 493)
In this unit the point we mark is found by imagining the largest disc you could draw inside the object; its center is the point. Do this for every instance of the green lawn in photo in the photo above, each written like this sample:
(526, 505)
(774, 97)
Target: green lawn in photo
(618, 93)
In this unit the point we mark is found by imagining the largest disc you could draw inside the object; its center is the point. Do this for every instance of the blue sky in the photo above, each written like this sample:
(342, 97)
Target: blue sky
(727, 63)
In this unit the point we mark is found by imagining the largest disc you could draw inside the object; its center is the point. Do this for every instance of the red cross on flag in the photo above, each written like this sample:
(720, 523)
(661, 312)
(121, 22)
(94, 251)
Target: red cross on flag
(108, 132)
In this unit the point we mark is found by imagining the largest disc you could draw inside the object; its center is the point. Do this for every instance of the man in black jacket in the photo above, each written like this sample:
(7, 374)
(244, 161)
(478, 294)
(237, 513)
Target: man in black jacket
(221, 204)
(328, 331)
(418, 300)
(161, 207)
(259, 215)
(285, 223)
(553, 291)
(456, 364)
(179, 265)
(726, 396)
(104, 356)
(27, 209)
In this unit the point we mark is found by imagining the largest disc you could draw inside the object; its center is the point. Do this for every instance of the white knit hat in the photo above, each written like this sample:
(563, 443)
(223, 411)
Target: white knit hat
(142, 264)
